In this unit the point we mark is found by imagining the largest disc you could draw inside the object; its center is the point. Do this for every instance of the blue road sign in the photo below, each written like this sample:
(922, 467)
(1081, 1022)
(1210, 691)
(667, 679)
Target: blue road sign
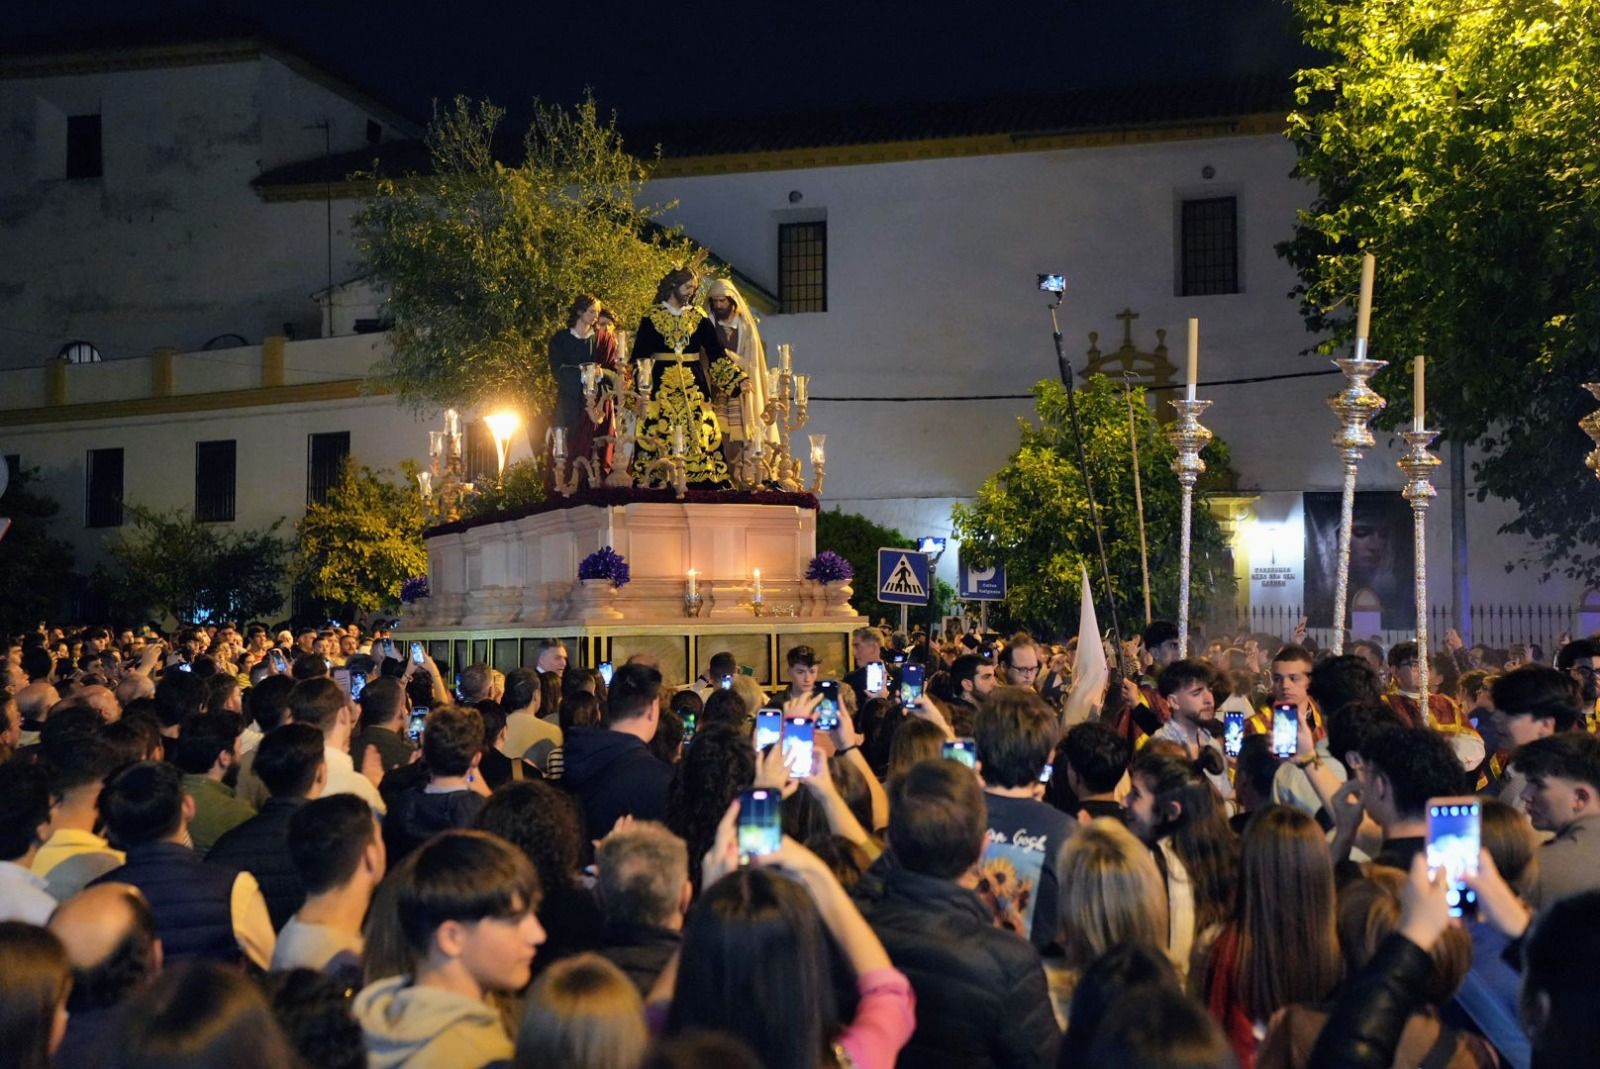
(981, 583)
(902, 577)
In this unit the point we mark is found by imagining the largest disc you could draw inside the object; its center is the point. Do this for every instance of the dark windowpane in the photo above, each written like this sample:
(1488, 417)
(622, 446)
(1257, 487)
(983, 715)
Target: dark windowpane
(13, 470)
(482, 458)
(325, 457)
(1210, 246)
(803, 267)
(83, 147)
(103, 506)
(215, 466)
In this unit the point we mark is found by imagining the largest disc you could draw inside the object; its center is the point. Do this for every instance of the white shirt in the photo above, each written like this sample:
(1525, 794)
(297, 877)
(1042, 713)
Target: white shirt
(23, 897)
(1175, 731)
(344, 779)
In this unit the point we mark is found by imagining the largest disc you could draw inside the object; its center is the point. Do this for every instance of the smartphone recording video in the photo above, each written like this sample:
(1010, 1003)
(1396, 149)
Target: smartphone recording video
(963, 750)
(419, 716)
(911, 678)
(760, 830)
(417, 656)
(1454, 838)
(1285, 730)
(799, 745)
(606, 672)
(875, 681)
(769, 728)
(1232, 733)
(828, 707)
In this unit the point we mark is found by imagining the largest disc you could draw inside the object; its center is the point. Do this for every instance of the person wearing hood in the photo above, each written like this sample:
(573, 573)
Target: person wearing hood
(452, 744)
(741, 338)
(466, 906)
(610, 767)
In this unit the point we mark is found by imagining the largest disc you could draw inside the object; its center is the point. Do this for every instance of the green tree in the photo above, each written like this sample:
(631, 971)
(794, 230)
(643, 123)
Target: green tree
(858, 539)
(481, 260)
(353, 550)
(171, 565)
(1459, 141)
(1033, 515)
(38, 569)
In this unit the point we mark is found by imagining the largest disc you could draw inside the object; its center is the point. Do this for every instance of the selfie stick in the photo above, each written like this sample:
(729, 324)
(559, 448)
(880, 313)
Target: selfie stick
(1088, 485)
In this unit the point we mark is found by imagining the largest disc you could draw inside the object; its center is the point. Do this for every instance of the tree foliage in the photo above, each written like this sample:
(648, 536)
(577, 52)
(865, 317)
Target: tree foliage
(481, 260)
(38, 569)
(858, 539)
(1033, 515)
(354, 550)
(1459, 141)
(171, 565)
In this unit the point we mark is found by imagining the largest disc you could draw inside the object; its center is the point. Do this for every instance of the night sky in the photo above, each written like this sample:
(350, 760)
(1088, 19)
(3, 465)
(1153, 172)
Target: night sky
(663, 62)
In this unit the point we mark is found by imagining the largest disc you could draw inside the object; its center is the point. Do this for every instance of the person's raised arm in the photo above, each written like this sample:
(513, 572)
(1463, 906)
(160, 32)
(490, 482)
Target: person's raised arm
(841, 821)
(848, 928)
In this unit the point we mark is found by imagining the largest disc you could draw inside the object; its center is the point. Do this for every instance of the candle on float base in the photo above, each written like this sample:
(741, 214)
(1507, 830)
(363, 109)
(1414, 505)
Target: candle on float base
(786, 358)
(1419, 403)
(1194, 355)
(1369, 267)
(756, 575)
(694, 582)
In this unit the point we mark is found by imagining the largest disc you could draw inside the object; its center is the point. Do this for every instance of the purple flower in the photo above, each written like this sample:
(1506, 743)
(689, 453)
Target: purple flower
(604, 563)
(829, 567)
(414, 589)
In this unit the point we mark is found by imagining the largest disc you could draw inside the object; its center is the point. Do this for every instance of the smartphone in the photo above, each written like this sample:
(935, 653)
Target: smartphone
(1454, 838)
(727, 682)
(1232, 733)
(419, 716)
(688, 728)
(341, 676)
(828, 708)
(358, 683)
(769, 728)
(799, 738)
(963, 750)
(389, 650)
(279, 661)
(760, 827)
(899, 659)
(1285, 730)
(417, 656)
(1049, 770)
(911, 685)
(875, 677)
(1053, 283)
(606, 672)
(184, 666)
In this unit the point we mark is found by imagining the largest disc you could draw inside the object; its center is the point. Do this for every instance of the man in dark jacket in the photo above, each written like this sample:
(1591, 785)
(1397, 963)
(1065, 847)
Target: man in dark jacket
(290, 763)
(981, 994)
(644, 892)
(452, 741)
(610, 768)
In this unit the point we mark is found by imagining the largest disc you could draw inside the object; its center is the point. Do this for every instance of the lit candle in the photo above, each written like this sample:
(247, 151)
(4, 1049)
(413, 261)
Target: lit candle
(1194, 355)
(1418, 404)
(558, 442)
(452, 422)
(757, 576)
(786, 358)
(435, 443)
(819, 448)
(694, 582)
(1369, 267)
(645, 365)
(802, 389)
(677, 440)
(455, 444)
(590, 375)
(756, 446)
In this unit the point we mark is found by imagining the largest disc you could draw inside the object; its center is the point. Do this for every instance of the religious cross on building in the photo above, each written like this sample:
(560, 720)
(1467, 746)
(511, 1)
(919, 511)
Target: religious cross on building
(1130, 364)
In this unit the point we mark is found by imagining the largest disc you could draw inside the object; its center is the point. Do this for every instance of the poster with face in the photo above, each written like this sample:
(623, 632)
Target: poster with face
(1382, 564)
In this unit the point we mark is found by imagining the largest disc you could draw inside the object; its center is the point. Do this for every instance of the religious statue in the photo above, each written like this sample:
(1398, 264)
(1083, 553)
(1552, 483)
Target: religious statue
(691, 370)
(741, 337)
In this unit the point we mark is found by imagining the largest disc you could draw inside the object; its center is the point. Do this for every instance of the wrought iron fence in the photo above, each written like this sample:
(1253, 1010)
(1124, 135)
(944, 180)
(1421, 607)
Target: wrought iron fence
(1495, 626)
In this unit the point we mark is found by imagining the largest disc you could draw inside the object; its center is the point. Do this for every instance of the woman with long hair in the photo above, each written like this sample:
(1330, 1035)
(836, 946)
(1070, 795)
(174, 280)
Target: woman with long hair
(35, 980)
(915, 740)
(1280, 945)
(1172, 806)
(719, 765)
(570, 348)
(582, 1013)
(755, 964)
(1111, 894)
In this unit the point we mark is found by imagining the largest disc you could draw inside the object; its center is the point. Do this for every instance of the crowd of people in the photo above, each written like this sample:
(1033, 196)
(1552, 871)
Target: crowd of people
(233, 848)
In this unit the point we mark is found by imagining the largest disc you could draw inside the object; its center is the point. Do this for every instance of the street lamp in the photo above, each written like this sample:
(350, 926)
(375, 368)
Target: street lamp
(502, 425)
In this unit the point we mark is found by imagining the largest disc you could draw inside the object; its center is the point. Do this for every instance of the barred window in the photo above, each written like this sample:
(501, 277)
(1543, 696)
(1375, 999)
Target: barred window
(1210, 247)
(803, 267)
(481, 457)
(215, 469)
(103, 488)
(326, 454)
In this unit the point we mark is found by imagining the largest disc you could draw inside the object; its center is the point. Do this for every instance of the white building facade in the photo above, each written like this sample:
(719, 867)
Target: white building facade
(902, 272)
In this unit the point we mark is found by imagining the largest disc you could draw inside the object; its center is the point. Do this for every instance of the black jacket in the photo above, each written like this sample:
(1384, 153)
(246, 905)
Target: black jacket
(1364, 1030)
(639, 951)
(416, 816)
(614, 774)
(981, 994)
(260, 846)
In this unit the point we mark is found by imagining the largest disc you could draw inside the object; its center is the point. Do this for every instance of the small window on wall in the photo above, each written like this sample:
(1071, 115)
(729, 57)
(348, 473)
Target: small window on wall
(803, 267)
(1209, 247)
(327, 453)
(480, 454)
(103, 488)
(83, 147)
(215, 469)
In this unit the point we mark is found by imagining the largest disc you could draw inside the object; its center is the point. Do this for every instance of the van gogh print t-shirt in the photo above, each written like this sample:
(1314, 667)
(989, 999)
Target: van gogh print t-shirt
(1017, 874)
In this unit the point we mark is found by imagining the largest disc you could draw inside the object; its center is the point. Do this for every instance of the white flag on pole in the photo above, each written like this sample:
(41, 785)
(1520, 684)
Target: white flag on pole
(1090, 672)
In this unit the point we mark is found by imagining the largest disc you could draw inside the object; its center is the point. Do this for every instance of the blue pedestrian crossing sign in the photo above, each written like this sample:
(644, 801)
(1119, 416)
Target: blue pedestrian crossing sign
(979, 583)
(903, 577)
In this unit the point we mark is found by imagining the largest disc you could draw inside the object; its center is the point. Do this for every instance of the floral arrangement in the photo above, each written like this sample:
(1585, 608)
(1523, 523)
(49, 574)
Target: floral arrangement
(829, 567)
(604, 563)
(414, 589)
